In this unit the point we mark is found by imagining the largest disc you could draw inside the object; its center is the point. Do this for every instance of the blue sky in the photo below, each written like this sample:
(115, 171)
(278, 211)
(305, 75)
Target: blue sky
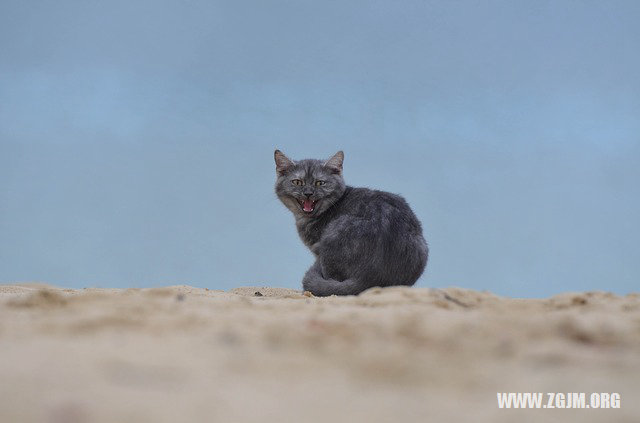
(137, 138)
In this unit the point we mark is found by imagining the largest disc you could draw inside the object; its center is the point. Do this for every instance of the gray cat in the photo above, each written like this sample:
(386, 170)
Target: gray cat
(361, 237)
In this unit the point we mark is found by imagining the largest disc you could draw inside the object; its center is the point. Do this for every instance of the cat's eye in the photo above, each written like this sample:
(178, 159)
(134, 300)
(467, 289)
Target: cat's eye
(319, 183)
(297, 182)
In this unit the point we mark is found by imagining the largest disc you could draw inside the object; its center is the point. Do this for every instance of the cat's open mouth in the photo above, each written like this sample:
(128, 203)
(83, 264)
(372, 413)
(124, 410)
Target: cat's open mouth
(307, 205)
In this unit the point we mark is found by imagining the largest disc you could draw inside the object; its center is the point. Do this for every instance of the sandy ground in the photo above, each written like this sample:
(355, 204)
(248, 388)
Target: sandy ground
(183, 354)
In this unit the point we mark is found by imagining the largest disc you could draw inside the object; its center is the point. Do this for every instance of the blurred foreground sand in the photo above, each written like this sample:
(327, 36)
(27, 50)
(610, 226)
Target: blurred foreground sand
(183, 354)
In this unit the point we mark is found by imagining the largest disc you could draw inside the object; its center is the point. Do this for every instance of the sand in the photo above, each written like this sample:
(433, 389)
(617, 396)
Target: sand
(255, 354)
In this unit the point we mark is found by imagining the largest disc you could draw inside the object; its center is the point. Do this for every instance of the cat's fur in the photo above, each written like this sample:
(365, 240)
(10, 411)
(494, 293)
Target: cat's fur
(361, 237)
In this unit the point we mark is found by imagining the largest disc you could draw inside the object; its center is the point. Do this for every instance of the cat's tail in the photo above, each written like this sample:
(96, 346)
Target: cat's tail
(315, 283)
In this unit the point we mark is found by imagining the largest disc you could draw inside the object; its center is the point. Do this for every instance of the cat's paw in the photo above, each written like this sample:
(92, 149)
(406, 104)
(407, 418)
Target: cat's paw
(310, 286)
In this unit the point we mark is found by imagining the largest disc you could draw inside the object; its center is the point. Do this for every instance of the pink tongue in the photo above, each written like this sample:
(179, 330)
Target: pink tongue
(307, 206)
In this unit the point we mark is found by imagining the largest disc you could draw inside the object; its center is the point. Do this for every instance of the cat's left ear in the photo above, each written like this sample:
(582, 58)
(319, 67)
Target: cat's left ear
(335, 162)
(283, 163)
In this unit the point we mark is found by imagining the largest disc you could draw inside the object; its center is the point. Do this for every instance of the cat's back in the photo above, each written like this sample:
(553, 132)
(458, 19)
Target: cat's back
(378, 208)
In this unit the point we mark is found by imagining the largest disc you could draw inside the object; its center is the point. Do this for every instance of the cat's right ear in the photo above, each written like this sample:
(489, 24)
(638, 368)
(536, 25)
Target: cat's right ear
(335, 162)
(283, 163)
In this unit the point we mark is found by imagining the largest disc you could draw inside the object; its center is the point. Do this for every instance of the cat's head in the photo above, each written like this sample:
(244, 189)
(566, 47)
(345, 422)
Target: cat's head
(309, 187)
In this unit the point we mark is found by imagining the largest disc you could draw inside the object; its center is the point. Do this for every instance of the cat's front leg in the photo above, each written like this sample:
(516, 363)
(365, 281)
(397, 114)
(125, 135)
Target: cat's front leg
(312, 276)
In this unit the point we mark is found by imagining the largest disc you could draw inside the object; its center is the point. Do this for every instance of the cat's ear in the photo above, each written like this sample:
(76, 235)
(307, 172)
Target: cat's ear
(335, 162)
(283, 163)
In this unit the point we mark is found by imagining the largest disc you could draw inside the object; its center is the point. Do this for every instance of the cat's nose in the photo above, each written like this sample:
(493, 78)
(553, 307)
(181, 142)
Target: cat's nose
(308, 193)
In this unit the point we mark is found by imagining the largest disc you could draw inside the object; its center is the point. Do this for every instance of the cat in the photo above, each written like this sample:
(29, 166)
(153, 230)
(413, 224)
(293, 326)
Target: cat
(360, 237)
